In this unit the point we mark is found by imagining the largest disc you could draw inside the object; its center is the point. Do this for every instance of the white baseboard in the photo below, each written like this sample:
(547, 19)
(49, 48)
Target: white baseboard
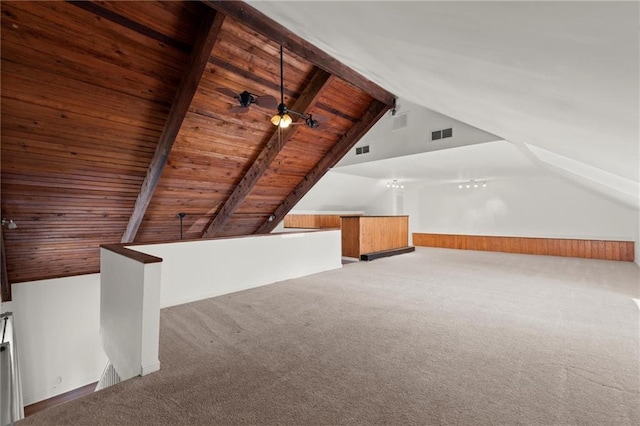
(58, 390)
(149, 368)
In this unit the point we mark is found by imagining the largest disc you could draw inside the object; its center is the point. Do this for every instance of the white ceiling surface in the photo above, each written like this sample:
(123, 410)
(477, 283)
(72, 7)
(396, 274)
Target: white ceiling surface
(561, 76)
(486, 161)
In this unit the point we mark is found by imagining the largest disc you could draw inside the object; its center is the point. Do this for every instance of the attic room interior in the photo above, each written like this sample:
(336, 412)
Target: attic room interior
(179, 179)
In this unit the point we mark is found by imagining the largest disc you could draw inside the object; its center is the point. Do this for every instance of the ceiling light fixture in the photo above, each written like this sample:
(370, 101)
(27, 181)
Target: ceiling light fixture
(395, 184)
(10, 223)
(281, 119)
(472, 184)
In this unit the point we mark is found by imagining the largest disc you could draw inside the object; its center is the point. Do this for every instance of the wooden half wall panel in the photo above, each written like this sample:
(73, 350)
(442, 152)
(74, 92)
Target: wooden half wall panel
(312, 221)
(372, 234)
(589, 249)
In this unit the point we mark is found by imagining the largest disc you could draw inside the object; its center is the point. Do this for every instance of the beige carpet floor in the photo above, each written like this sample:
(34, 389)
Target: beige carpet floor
(432, 337)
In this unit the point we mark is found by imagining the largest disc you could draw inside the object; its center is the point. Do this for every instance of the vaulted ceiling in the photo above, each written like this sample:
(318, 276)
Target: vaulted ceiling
(560, 79)
(112, 124)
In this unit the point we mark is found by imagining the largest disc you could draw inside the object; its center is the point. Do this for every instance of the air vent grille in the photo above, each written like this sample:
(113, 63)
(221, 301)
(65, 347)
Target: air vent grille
(441, 134)
(362, 150)
(400, 121)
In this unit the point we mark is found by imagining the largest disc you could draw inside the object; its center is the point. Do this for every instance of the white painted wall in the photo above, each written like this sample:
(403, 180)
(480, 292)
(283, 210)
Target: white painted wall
(542, 205)
(384, 142)
(194, 270)
(637, 239)
(58, 321)
(531, 207)
(130, 313)
(618, 188)
(57, 324)
(344, 192)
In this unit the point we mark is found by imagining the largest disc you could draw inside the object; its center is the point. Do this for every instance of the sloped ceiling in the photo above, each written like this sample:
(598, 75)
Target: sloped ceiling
(112, 124)
(490, 160)
(362, 185)
(559, 76)
(89, 87)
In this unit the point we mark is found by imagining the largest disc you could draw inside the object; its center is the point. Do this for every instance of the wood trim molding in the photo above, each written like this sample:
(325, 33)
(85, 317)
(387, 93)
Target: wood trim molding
(131, 254)
(269, 28)
(386, 253)
(190, 240)
(588, 249)
(205, 40)
(371, 116)
(276, 143)
(32, 409)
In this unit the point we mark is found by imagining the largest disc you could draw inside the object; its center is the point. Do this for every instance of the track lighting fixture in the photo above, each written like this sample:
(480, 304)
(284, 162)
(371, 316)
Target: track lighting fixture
(472, 184)
(395, 184)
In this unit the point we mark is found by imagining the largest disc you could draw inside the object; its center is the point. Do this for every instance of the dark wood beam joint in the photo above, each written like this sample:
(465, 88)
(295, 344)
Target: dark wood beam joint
(373, 113)
(272, 148)
(269, 28)
(209, 29)
(116, 18)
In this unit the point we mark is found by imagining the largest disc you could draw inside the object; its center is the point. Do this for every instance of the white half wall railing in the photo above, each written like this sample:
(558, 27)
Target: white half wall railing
(134, 286)
(199, 269)
(11, 402)
(130, 310)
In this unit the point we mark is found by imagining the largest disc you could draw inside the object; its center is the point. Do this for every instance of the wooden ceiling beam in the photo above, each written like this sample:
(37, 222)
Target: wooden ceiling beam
(269, 28)
(5, 286)
(373, 113)
(206, 38)
(272, 148)
(116, 18)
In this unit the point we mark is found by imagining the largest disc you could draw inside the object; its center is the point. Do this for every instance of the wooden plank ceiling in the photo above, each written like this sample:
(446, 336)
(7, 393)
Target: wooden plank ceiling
(112, 125)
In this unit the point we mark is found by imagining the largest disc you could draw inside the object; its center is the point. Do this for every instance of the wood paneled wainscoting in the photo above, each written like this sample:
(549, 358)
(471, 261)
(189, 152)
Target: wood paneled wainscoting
(590, 249)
